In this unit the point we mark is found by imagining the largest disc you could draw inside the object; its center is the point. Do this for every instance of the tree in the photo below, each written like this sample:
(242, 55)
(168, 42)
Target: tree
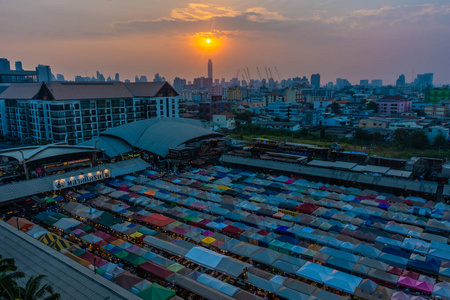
(276, 119)
(419, 140)
(362, 135)
(419, 112)
(440, 141)
(335, 108)
(401, 137)
(10, 289)
(372, 106)
(245, 116)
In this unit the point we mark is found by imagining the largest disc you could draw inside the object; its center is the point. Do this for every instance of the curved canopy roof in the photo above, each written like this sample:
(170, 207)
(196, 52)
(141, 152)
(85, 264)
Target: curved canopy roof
(153, 135)
(34, 153)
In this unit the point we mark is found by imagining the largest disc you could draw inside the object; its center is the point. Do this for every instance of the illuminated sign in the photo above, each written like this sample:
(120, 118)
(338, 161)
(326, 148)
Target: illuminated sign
(80, 179)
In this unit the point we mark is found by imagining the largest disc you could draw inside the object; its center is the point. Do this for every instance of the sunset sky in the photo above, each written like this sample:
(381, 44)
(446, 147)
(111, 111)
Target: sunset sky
(354, 39)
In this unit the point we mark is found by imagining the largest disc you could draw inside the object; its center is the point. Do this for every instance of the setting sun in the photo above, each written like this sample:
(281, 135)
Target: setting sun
(206, 42)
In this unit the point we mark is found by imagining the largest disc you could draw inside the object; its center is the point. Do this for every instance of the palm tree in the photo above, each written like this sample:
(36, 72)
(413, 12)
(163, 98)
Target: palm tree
(8, 276)
(9, 289)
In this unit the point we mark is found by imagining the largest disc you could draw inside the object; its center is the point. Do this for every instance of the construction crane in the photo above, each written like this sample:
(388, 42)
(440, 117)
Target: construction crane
(270, 72)
(259, 73)
(267, 73)
(248, 74)
(237, 75)
(278, 74)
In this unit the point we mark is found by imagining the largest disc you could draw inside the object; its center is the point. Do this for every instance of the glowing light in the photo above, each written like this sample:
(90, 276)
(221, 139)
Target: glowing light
(208, 41)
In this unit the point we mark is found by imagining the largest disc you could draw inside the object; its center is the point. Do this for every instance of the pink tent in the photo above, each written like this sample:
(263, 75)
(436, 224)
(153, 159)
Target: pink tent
(411, 274)
(207, 233)
(424, 287)
(133, 248)
(407, 281)
(123, 187)
(198, 205)
(180, 230)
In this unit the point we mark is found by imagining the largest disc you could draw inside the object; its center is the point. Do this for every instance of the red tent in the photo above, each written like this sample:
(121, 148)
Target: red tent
(157, 220)
(155, 269)
(233, 230)
(411, 274)
(307, 208)
(409, 202)
(127, 280)
(263, 232)
(394, 270)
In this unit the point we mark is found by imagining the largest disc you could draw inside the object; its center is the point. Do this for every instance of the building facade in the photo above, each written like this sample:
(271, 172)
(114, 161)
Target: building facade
(391, 105)
(75, 111)
(438, 95)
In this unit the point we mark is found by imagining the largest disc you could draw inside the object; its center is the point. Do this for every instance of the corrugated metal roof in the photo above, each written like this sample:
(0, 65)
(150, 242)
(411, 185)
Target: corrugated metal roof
(24, 91)
(330, 164)
(159, 135)
(88, 90)
(110, 145)
(33, 153)
(371, 168)
(419, 186)
(145, 89)
(67, 277)
(399, 173)
(27, 188)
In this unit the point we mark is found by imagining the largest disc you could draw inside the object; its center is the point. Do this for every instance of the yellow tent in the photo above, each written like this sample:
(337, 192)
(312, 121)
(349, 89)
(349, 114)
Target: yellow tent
(48, 238)
(60, 244)
(223, 187)
(118, 242)
(208, 240)
(77, 259)
(136, 235)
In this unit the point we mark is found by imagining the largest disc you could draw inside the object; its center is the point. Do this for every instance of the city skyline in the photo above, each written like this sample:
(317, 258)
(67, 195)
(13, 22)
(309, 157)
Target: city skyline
(350, 39)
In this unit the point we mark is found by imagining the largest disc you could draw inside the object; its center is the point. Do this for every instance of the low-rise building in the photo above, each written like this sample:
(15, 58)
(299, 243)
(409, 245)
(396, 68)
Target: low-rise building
(433, 131)
(291, 126)
(436, 110)
(373, 123)
(225, 120)
(392, 105)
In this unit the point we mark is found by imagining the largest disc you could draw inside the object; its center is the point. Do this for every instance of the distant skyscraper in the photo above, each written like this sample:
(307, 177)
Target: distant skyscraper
(117, 78)
(315, 80)
(44, 73)
(210, 70)
(19, 66)
(60, 77)
(158, 78)
(179, 84)
(364, 83)
(424, 80)
(377, 83)
(100, 77)
(401, 81)
(4, 64)
(341, 83)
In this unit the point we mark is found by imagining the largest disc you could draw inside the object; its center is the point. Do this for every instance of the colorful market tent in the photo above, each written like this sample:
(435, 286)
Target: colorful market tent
(156, 292)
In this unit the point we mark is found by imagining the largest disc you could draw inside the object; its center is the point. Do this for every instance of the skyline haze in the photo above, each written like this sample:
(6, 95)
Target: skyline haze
(347, 39)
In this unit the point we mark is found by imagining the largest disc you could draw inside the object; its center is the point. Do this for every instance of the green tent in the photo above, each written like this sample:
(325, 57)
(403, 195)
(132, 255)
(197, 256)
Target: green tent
(156, 292)
(175, 267)
(189, 218)
(78, 252)
(147, 231)
(122, 254)
(49, 200)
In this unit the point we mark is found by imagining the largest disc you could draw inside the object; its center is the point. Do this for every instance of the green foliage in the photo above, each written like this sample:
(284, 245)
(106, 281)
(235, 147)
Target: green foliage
(362, 135)
(10, 289)
(401, 137)
(419, 112)
(372, 106)
(335, 108)
(440, 142)
(419, 140)
(245, 116)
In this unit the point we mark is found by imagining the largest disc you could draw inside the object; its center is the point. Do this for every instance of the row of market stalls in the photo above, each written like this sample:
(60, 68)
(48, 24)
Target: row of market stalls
(270, 230)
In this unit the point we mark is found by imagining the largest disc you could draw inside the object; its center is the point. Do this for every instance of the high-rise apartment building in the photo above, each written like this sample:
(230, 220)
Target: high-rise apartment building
(19, 66)
(401, 81)
(376, 83)
(78, 111)
(44, 73)
(4, 64)
(210, 69)
(179, 84)
(315, 81)
(364, 83)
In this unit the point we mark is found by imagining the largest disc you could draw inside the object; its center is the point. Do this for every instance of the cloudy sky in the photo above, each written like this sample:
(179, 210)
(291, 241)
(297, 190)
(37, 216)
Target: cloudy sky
(354, 39)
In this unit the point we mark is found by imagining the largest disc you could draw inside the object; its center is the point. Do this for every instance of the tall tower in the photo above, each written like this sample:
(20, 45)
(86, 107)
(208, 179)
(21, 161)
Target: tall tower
(315, 81)
(210, 74)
